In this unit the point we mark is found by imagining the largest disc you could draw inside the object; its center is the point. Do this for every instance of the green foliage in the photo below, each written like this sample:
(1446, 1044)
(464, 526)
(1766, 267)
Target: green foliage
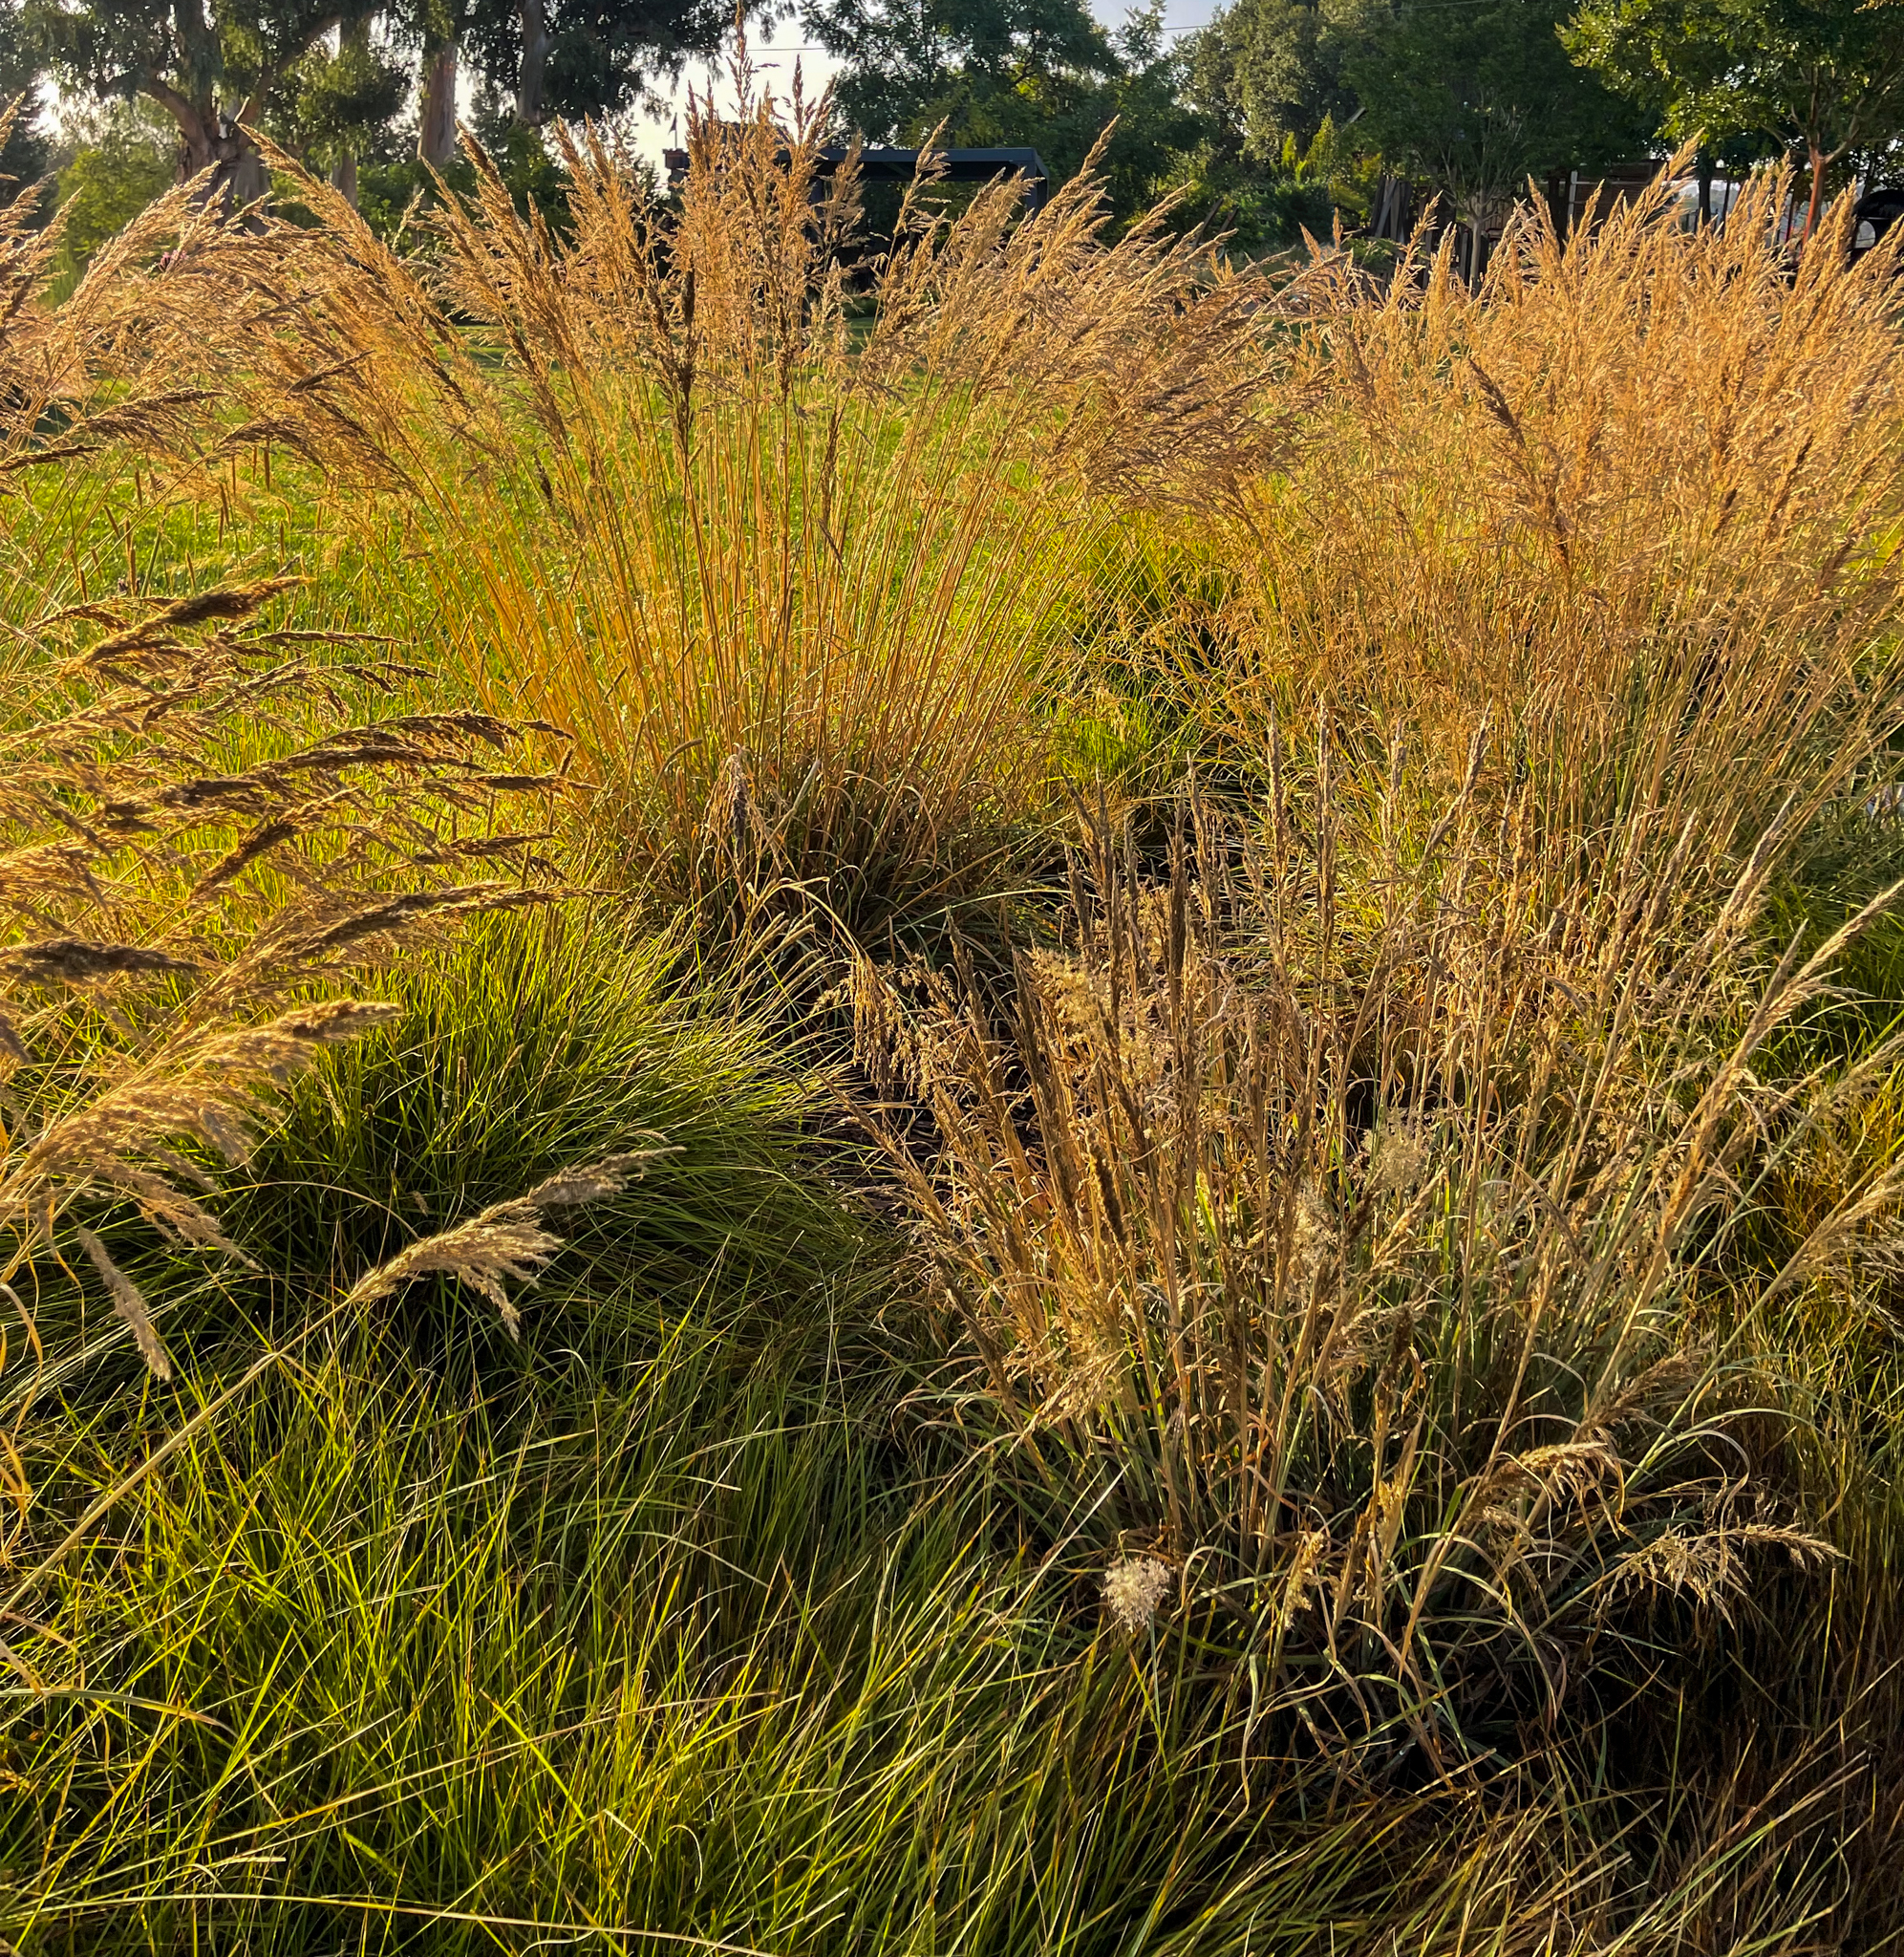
(1041, 73)
(537, 1043)
(1264, 71)
(23, 156)
(1268, 205)
(910, 63)
(333, 105)
(1675, 60)
(1268, 79)
(1473, 98)
(1825, 76)
(390, 188)
(664, 1638)
(1153, 124)
(597, 57)
(1479, 96)
(123, 162)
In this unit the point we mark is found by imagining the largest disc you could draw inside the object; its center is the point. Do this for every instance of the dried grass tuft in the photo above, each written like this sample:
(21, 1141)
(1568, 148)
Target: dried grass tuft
(508, 1241)
(1632, 505)
(695, 496)
(129, 1301)
(1363, 1252)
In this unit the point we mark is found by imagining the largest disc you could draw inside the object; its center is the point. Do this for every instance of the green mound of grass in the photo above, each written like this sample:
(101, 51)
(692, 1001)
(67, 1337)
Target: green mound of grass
(539, 1044)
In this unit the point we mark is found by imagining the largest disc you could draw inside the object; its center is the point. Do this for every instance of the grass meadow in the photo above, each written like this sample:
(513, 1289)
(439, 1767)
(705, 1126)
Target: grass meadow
(1054, 1110)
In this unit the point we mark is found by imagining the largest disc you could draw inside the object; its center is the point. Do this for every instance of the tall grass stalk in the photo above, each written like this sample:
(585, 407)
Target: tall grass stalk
(1632, 503)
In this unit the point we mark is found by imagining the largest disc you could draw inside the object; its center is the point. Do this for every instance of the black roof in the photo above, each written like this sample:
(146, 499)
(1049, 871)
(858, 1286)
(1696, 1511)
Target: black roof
(960, 166)
(1886, 204)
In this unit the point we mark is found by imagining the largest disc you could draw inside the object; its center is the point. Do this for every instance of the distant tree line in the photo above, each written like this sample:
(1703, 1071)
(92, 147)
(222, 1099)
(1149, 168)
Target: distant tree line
(1268, 118)
(1280, 112)
(364, 91)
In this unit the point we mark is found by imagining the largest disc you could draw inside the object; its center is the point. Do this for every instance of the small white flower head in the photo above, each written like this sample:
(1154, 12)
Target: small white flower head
(1134, 1589)
(1312, 1235)
(1397, 1160)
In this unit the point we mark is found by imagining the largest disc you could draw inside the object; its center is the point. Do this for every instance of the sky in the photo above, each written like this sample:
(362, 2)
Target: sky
(785, 45)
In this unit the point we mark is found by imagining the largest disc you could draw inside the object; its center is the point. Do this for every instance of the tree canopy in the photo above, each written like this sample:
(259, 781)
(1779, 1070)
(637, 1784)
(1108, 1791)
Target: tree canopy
(989, 69)
(1263, 118)
(1269, 71)
(212, 68)
(23, 156)
(1824, 76)
(1477, 96)
(996, 73)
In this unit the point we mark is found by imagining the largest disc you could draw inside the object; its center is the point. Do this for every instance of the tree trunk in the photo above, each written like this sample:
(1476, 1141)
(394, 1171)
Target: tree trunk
(197, 116)
(1704, 189)
(353, 34)
(247, 178)
(537, 41)
(436, 139)
(1818, 162)
(214, 147)
(197, 129)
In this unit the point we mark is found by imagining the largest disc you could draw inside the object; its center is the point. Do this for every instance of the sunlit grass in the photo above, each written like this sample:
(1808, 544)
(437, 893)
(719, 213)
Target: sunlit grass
(1283, 1333)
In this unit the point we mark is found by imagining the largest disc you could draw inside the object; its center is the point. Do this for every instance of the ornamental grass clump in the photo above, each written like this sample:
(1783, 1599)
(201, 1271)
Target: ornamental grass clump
(792, 561)
(1631, 503)
(1367, 1258)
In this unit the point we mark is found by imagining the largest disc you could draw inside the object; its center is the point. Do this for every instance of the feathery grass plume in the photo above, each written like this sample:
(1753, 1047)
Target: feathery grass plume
(1135, 1590)
(88, 374)
(165, 912)
(129, 1301)
(1631, 503)
(1429, 1434)
(507, 1241)
(686, 492)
